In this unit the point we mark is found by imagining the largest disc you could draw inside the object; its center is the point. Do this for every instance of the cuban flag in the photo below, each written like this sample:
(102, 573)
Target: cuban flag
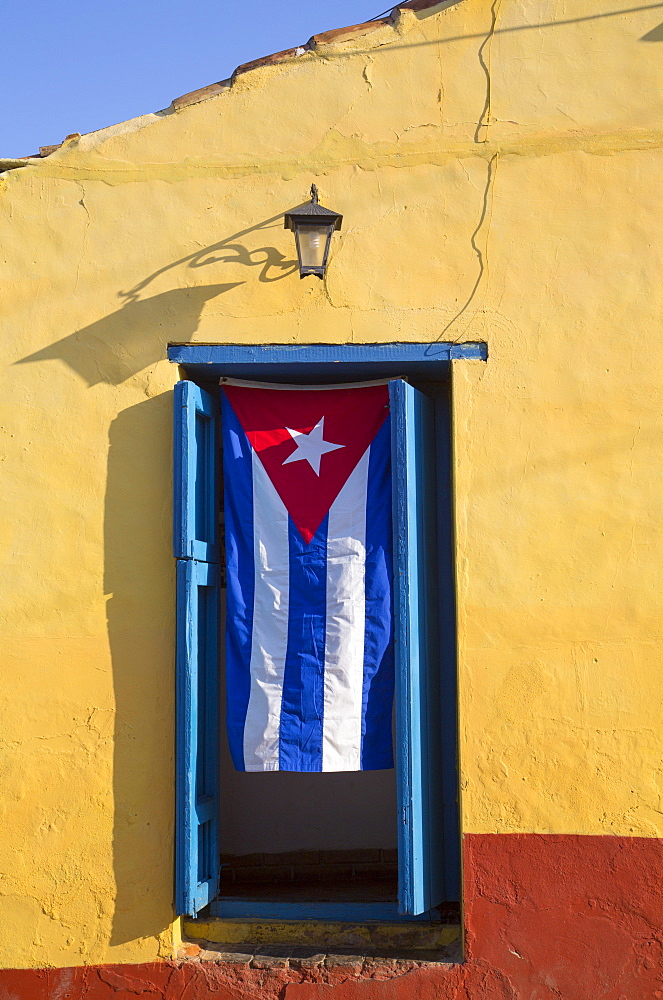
(309, 647)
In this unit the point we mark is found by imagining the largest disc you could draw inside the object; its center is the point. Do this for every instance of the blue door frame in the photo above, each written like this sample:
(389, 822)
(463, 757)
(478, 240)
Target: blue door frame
(423, 364)
(323, 362)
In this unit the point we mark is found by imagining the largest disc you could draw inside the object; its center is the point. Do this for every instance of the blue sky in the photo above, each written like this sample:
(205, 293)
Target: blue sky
(77, 66)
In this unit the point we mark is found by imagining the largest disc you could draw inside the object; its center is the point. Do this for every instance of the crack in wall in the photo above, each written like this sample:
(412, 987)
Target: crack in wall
(85, 232)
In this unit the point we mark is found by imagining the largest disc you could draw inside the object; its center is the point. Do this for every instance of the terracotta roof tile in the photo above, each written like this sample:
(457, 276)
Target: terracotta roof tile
(202, 94)
(336, 33)
(274, 58)
(419, 4)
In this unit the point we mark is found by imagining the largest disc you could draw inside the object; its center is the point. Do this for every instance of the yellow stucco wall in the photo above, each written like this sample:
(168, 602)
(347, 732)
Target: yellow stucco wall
(499, 168)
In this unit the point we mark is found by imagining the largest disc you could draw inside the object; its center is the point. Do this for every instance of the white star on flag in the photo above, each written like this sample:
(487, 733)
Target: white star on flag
(311, 447)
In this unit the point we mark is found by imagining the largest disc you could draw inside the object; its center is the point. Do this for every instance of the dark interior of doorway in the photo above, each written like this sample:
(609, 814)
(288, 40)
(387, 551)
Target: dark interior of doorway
(299, 838)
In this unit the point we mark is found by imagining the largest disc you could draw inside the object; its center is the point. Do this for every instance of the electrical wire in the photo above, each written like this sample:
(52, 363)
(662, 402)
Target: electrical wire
(378, 16)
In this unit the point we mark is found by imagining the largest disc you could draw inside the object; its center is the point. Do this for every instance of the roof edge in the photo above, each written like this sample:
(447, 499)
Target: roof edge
(323, 38)
(213, 89)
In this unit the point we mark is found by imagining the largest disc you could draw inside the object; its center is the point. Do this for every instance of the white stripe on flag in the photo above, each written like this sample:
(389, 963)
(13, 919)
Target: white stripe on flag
(270, 624)
(346, 619)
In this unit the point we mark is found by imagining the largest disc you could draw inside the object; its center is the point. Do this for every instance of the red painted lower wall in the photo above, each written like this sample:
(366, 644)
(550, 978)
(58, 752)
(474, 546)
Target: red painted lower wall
(546, 918)
(578, 918)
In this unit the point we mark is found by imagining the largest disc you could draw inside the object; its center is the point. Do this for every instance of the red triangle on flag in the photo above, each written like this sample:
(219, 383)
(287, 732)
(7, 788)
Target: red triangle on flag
(309, 441)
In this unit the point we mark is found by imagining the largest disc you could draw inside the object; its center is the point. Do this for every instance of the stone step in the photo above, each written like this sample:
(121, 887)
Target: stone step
(325, 937)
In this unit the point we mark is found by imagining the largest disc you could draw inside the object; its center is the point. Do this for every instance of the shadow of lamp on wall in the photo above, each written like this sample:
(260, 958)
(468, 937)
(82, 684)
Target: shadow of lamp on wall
(133, 337)
(655, 35)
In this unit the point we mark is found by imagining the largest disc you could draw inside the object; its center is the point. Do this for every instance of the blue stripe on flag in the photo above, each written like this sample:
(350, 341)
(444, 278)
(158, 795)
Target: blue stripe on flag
(238, 502)
(302, 707)
(378, 694)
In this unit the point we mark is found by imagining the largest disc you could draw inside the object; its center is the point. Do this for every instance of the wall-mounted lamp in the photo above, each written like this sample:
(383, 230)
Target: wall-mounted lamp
(313, 226)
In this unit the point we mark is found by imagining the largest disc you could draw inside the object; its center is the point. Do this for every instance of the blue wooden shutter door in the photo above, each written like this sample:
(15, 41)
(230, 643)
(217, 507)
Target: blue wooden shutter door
(196, 513)
(418, 754)
(196, 510)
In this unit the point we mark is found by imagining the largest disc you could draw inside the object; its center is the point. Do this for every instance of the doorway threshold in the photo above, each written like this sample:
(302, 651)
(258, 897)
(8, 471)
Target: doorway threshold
(419, 939)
